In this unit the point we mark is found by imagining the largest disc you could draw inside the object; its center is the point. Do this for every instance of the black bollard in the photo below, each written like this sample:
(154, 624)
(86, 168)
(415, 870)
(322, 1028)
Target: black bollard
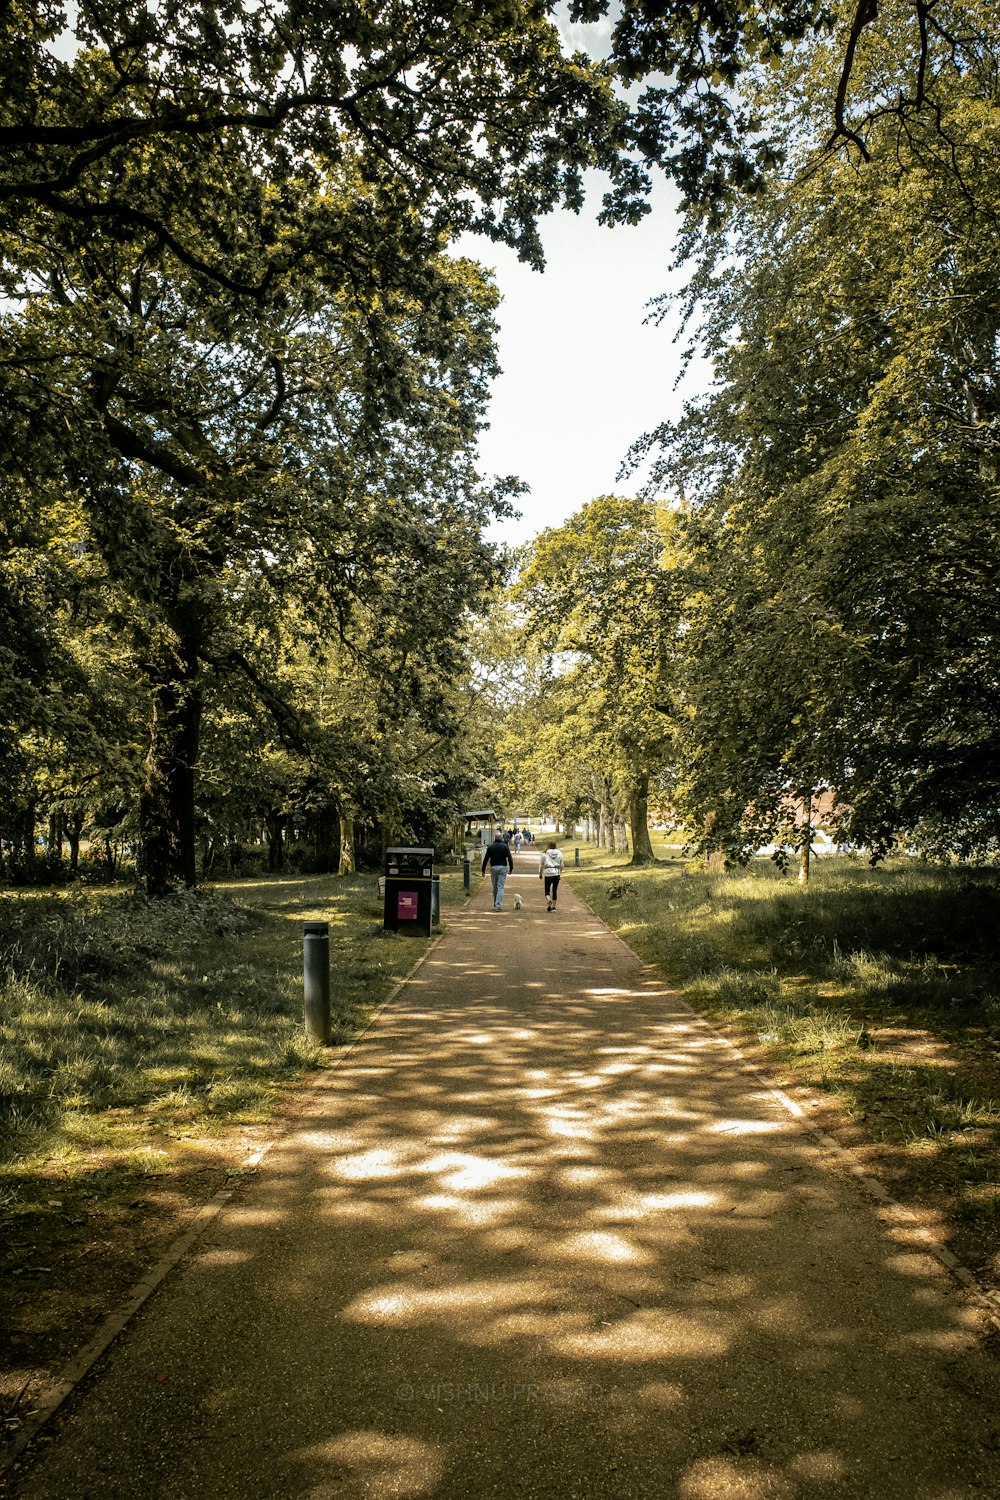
(316, 976)
(467, 874)
(576, 856)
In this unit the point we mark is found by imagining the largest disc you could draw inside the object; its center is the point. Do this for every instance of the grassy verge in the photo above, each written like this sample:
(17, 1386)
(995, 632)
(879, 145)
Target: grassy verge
(144, 1052)
(874, 992)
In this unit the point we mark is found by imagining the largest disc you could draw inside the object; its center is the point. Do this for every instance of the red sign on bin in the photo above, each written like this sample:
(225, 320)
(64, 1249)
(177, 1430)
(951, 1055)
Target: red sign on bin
(406, 906)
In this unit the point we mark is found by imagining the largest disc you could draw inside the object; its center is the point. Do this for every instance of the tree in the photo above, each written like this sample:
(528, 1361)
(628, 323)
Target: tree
(473, 117)
(595, 599)
(208, 131)
(888, 72)
(840, 482)
(214, 474)
(231, 333)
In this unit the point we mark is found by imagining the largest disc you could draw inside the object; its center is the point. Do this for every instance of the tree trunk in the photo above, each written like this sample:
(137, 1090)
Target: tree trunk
(74, 828)
(390, 836)
(805, 848)
(166, 802)
(715, 859)
(606, 827)
(638, 817)
(346, 843)
(326, 838)
(275, 825)
(25, 826)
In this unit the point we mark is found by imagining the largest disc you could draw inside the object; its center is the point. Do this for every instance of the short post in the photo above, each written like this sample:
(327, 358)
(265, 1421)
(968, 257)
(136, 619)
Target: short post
(435, 900)
(576, 856)
(467, 874)
(316, 977)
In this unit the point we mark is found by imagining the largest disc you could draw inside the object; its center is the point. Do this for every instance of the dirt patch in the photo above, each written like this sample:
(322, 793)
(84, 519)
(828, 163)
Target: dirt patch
(910, 1044)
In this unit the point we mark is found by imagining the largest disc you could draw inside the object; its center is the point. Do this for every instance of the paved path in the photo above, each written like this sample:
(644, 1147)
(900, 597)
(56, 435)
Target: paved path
(540, 1235)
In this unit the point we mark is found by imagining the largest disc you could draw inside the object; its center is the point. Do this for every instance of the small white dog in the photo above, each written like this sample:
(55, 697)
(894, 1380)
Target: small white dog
(518, 903)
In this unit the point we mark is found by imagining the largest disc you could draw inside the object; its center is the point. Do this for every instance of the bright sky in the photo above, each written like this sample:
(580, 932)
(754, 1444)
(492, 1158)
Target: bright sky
(584, 373)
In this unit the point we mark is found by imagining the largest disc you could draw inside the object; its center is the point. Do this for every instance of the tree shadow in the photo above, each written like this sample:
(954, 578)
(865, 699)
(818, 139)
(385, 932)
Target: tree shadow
(542, 1233)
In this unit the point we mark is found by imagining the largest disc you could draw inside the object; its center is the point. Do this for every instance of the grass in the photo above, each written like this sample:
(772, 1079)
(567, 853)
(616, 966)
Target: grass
(122, 1017)
(878, 989)
(142, 1046)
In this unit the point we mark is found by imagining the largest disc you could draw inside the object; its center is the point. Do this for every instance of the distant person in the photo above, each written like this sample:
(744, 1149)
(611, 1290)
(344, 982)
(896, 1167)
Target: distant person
(500, 861)
(550, 867)
(507, 835)
(517, 841)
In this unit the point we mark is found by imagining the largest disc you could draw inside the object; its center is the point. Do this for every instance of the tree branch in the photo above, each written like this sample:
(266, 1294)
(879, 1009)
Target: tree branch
(131, 444)
(866, 12)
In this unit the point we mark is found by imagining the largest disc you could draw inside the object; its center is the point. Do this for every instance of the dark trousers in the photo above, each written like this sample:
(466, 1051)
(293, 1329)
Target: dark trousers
(551, 887)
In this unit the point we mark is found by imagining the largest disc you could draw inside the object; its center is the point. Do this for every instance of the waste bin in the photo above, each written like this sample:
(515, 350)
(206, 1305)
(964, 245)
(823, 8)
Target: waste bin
(408, 877)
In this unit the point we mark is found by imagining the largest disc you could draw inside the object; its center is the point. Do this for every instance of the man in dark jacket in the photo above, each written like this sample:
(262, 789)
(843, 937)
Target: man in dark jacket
(499, 859)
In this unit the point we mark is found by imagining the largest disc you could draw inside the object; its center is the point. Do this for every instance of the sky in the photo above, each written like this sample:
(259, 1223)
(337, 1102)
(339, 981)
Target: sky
(585, 370)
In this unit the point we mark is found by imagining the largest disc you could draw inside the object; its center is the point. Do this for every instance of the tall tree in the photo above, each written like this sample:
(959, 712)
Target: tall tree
(888, 72)
(840, 482)
(230, 330)
(208, 130)
(217, 471)
(594, 595)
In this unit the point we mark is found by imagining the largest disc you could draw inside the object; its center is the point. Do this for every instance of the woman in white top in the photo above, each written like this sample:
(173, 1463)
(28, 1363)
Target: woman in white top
(549, 869)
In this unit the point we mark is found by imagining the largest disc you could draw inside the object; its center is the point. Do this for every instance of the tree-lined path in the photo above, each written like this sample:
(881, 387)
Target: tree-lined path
(541, 1234)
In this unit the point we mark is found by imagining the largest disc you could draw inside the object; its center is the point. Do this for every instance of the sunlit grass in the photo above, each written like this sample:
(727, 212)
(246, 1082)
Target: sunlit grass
(825, 980)
(122, 1019)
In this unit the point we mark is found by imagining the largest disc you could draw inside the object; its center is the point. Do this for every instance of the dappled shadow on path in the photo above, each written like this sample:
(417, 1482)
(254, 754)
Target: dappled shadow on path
(541, 1234)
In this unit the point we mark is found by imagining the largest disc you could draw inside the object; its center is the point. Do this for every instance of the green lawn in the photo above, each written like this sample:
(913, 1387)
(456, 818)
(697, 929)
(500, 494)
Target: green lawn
(145, 1051)
(123, 1021)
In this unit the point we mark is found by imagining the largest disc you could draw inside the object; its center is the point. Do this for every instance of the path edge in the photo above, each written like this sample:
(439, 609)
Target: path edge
(55, 1392)
(988, 1301)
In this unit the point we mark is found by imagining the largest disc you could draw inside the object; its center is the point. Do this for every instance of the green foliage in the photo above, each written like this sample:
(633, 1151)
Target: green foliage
(260, 497)
(700, 72)
(838, 485)
(207, 132)
(241, 383)
(597, 616)
(240, 376)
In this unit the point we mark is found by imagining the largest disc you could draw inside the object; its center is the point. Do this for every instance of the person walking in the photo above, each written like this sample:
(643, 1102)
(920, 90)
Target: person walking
(500, 862)
(550, 867)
